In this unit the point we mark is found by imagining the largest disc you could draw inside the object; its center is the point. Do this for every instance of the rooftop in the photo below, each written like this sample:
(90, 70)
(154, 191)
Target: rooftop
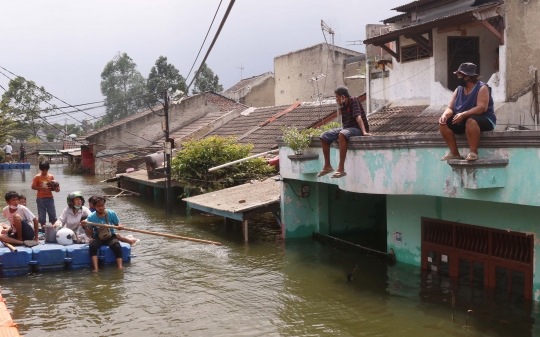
(246, 81)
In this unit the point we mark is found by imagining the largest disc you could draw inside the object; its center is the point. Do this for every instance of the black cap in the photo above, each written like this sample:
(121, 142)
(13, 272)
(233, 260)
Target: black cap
(468, 69)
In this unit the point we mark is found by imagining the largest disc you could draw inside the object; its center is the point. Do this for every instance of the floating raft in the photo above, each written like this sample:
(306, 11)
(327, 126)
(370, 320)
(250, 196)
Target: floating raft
(8, 328)
(50, 256)
(14, 166)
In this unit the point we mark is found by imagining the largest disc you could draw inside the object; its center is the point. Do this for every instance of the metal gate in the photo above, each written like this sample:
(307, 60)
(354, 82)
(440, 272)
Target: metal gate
(495, 257)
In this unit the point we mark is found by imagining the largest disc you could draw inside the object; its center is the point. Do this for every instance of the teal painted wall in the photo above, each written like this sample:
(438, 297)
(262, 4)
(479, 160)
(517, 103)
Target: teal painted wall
(420, 172)
(329, 210)
(404, 215)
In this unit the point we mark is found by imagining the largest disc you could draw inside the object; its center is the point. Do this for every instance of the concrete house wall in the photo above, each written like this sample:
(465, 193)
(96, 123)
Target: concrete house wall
(143, 131)
(261, 95)
(523, 44)
(294, 70)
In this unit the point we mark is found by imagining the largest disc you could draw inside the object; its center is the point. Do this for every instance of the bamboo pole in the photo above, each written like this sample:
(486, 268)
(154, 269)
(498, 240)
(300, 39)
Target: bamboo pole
(155, 233)
(10, 246)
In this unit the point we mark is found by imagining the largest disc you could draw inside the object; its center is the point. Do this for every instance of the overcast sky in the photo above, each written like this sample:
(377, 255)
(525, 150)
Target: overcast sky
(64, 45)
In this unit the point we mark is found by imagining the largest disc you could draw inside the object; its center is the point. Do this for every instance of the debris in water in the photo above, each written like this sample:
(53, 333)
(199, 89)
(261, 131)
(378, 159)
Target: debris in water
(349, 275)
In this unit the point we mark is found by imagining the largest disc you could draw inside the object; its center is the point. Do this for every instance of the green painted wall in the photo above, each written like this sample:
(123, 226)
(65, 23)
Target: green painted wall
(329, 210)
(404, 215)
(421, 172)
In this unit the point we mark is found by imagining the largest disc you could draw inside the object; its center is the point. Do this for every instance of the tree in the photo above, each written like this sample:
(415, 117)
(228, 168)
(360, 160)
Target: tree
(50, 137)
(122, 85)
(23, 102)
(197, 156)
(162, 76)
(7, 126)
(207, 81)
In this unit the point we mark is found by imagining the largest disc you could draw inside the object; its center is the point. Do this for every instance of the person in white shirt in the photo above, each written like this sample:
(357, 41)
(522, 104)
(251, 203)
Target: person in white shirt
(75, 212)
(19, 217)
(8, 149)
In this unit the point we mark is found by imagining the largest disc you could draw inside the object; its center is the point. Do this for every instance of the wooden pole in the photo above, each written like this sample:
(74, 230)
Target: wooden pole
(10, 246)
(128, 191)
(155, 233)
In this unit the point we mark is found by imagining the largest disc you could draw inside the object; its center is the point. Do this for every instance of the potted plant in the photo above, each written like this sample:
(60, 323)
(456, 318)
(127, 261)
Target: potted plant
(296, 140)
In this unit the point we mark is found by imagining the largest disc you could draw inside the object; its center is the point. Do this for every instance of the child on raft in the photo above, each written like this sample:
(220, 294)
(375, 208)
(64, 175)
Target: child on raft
(44, 184)
(20, 231)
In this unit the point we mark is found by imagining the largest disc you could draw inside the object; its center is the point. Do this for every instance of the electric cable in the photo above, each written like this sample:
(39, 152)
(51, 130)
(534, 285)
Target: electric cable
(212, 44)
(202, 45)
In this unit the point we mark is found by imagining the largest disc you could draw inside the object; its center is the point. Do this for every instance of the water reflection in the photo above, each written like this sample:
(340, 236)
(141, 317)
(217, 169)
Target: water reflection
(266, 287)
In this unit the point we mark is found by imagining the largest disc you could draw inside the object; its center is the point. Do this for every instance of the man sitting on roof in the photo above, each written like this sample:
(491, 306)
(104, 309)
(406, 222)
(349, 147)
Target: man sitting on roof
(470, 111)
(354, 123)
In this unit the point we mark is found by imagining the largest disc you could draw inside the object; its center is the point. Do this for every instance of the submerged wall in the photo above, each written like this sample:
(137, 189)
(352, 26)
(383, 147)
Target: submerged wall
(404, 215)
(329, 210)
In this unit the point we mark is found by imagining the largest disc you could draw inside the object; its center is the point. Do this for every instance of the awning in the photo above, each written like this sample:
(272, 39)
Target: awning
(241, 202)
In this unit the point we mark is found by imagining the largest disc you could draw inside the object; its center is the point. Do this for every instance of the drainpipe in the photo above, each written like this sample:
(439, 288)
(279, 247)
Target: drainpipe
(368, 86)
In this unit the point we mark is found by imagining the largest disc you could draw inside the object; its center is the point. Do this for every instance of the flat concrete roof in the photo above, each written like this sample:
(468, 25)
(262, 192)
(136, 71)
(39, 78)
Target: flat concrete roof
(239, 202)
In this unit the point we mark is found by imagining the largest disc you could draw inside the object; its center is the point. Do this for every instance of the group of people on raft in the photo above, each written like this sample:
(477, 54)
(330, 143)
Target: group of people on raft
(469, 111)
(75, 216)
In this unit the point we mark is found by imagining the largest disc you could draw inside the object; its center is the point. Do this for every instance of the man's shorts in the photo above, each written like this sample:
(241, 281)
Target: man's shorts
(46, 206)
(333, 134)
(27, 232)
(483, 122)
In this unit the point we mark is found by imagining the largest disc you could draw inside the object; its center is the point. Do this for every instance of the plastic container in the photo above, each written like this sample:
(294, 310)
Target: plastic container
(50, 233)
(26, 166)
(12, 166)
(18, 166)
(49, 257)
(106, 255)
(15, 263)
(79, 256)
(5, 166)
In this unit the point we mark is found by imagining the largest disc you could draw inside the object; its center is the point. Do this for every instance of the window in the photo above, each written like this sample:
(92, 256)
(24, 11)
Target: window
(413, 52)
(380, 74)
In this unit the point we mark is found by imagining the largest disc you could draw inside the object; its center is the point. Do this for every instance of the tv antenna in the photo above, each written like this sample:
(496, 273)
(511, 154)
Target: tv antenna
(325, 28)
(241, 69)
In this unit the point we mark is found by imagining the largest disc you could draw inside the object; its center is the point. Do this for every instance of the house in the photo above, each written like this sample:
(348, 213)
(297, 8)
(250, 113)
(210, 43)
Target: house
(145, 129)
(416, 52)
(475, 221)
(312, 73)
(256, 91)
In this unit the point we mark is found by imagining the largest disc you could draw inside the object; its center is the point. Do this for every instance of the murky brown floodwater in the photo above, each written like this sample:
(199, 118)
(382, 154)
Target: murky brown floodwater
(265, 288)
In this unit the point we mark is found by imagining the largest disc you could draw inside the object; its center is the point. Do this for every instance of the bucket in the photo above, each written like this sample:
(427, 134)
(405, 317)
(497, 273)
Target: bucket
(50, 233)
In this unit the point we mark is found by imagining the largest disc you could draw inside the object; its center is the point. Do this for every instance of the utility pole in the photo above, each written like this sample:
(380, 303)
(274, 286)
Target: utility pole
(168, 194)
(535, 100)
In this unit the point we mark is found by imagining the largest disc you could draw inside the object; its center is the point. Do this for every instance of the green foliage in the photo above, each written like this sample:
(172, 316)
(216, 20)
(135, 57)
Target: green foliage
(23, 102)
(120, 81)
(33, 140)
(7, 126)
(207, 81)
(50, 137)
(2, 156)
(163, 76)
(296, 140)
(197, 156)
(318, 131)
(299, 140)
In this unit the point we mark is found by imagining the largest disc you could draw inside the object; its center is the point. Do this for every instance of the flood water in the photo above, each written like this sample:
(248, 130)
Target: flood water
(268, 287)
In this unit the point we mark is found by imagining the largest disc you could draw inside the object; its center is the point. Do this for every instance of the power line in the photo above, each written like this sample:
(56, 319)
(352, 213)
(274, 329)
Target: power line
(30, 83)
(217, 10)
(213, 42)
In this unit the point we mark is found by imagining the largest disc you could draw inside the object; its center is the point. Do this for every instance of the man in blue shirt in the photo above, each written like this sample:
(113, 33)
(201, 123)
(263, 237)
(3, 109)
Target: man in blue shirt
(102, 236)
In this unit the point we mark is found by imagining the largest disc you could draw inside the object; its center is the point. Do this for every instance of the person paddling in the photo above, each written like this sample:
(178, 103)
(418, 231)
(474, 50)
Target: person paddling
(102, 236)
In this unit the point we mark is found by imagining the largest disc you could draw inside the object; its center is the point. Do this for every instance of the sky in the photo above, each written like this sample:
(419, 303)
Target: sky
(64, 45)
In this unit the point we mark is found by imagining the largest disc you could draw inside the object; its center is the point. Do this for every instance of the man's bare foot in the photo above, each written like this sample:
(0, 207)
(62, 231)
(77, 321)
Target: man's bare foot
(95, 270)
(120, 268)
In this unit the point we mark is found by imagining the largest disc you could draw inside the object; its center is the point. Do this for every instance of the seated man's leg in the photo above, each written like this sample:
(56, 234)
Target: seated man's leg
(448, 132)
(115, 246)
(94, 247)
(327, 138)
(473, 126)
(344, 136)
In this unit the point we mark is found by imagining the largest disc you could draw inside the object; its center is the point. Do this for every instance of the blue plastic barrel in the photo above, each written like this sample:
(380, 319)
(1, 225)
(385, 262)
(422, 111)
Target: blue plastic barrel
(26, 165)
(5, 166)
(12, 166)
(79, 255)
(15, 263)
(49, 257)
(107, 256)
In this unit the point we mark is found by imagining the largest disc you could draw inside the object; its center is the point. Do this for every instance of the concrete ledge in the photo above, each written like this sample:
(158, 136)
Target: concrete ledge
(304, 163)
(480, 163)
(491, 139)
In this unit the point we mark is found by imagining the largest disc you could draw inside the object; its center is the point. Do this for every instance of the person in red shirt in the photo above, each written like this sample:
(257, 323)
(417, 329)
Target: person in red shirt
(44, 184)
